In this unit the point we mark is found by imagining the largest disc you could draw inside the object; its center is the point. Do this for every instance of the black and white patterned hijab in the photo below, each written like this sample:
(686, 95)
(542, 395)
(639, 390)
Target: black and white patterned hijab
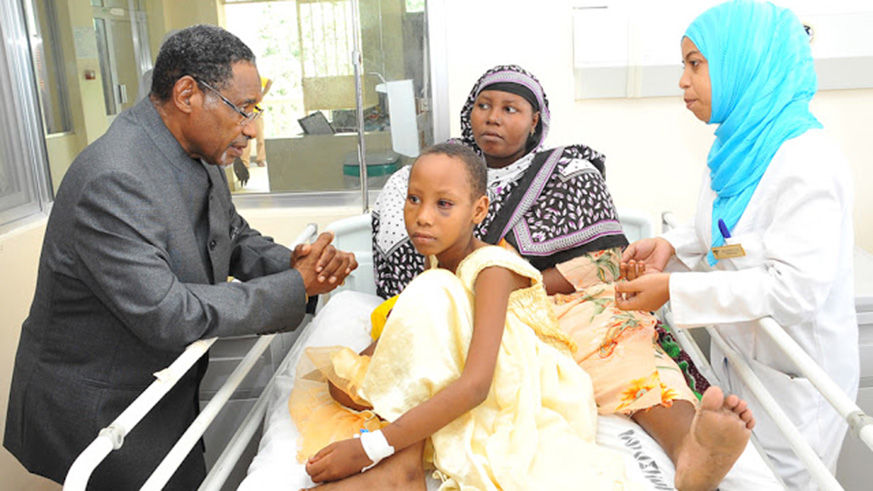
(396, 260)
(512, 74)
(562, 208)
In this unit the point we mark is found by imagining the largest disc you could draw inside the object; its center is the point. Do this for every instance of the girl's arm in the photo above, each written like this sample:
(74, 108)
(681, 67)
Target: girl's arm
(585, 270)
(369, 350)
(340, 396)
(492, 288)
(555, 282)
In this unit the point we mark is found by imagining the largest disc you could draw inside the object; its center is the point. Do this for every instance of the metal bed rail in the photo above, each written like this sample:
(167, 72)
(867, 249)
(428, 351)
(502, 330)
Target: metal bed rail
(192, 435)
(235, 447)
(860, 424)
(112, 437)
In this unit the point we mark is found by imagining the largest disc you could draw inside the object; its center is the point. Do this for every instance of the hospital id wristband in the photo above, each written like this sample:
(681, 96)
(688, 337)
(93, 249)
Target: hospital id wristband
(376, 447)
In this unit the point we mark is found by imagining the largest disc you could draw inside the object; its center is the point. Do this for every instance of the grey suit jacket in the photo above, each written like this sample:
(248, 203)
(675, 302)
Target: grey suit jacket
(134, 267)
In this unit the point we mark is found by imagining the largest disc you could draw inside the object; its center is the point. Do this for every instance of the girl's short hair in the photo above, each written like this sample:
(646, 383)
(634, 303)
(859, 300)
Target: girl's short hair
(477, 171)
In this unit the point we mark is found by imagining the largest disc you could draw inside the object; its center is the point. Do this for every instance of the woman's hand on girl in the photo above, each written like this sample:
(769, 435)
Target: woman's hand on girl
(648, 292)
(337, 460)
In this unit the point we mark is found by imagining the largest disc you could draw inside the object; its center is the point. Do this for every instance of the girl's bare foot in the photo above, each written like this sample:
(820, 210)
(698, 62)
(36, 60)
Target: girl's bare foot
(719, 433)
(403, 471)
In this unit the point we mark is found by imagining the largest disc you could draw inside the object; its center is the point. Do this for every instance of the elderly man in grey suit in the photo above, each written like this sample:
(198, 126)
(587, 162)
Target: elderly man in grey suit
(134, 267)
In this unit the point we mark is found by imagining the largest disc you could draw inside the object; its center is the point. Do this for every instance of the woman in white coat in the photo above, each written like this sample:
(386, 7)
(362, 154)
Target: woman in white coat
(778, 187)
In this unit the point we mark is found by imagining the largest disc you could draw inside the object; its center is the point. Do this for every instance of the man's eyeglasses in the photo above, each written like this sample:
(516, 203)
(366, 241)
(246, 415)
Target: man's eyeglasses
(246, 117)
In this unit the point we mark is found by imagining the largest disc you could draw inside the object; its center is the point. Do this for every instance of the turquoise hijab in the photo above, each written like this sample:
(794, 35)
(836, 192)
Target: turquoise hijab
(762, 76)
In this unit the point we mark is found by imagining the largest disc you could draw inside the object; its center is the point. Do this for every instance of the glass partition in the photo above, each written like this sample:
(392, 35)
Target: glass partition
(90, 58)
(311, 125)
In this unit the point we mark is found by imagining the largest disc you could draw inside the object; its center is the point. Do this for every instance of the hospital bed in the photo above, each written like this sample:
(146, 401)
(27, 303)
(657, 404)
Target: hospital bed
(275, 466)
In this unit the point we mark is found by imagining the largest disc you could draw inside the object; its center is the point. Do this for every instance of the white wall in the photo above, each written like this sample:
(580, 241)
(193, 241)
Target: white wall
(656, 150)
(19, 256)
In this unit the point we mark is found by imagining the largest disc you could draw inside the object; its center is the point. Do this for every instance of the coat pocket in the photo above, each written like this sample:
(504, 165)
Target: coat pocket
(753, 246)
(795, 395)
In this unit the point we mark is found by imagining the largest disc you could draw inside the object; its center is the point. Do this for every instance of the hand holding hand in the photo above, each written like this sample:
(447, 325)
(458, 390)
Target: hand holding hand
(334, 265)
(299, 251)
(632, 269)
(653, 252)
(647, 292)
(337, 460)
(321, 265)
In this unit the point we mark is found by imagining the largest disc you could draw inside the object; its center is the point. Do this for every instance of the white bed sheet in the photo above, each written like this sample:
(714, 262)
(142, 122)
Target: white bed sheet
(275, 466)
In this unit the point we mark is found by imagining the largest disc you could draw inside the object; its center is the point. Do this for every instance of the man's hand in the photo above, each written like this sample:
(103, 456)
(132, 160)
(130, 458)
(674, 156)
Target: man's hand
(648, 292)
(321, 265)
(653, 252)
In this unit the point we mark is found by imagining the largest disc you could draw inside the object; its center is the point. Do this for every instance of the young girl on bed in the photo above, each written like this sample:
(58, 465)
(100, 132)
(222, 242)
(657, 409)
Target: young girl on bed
(472, 359)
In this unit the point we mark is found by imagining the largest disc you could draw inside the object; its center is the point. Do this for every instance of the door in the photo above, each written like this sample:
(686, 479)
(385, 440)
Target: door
(118, 44)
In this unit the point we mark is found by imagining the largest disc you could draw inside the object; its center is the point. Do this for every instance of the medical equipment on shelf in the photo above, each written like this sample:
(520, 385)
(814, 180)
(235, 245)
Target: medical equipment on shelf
(354, 234)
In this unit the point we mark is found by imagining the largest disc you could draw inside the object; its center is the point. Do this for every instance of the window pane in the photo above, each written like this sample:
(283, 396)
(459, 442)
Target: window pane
(311, 124)
(414, 6)
(48, 64)
(123, 52)
(19, 140)
(17, 193)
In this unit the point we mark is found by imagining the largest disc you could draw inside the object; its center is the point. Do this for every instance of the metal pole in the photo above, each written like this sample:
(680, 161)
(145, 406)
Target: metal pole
(358, 62)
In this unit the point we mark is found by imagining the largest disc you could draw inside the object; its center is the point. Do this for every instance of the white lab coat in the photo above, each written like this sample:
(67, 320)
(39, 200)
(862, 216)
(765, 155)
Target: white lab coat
(798, 237)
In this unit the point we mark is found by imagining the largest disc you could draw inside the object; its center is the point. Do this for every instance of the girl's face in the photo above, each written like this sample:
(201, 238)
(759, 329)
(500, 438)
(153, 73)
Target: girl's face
(440, 211)
(502, 123)
(695, 82)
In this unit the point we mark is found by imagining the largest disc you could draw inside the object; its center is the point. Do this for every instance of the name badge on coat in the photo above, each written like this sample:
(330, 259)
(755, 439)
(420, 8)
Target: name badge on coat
(728, 251)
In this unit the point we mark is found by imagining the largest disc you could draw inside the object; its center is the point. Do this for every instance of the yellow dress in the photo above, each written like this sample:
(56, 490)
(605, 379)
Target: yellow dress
(536, 429)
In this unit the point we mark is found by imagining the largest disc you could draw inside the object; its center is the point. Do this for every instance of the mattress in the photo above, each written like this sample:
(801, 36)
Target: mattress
(345, 320)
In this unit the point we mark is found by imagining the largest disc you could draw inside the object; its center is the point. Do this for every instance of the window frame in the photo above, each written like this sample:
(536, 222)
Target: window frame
(25, 132)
